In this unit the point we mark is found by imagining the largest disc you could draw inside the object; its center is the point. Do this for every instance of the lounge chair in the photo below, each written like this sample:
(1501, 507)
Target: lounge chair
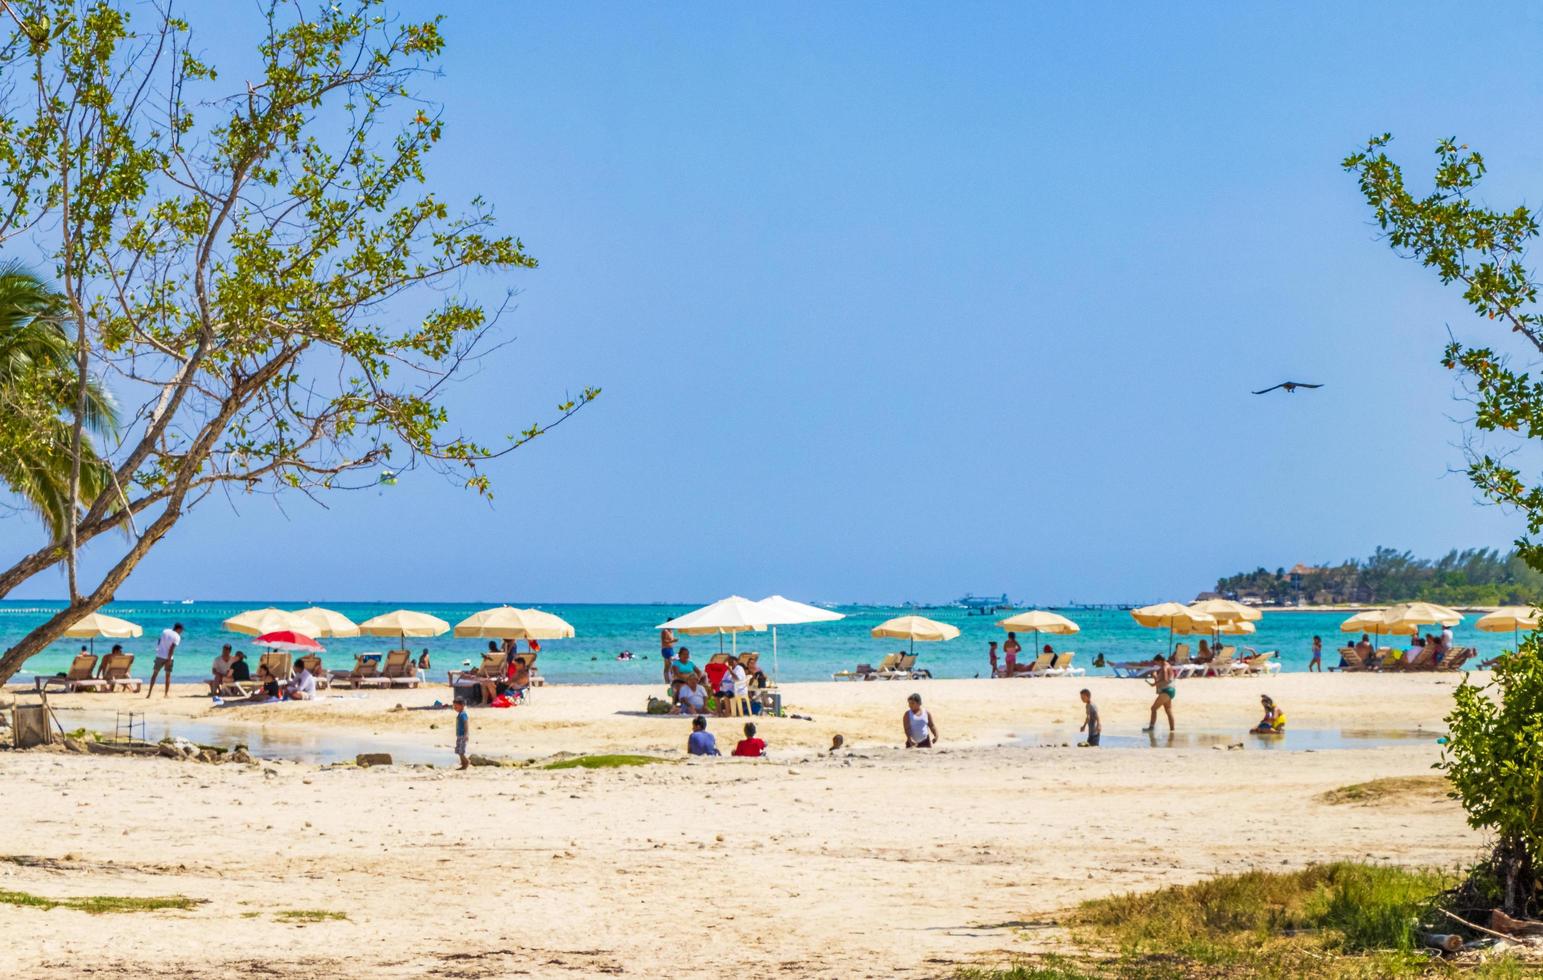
(1456, 659)
(1063, 665)
(1259, 663)
(866, 672)
(365, 673)
(1350, 660)
(400, 670)
(1424, 660)
(77, 678)
(1132, 668)
(281, 665)
(1184, 666)
(115, 671)
(904, 669)
(1041, 666)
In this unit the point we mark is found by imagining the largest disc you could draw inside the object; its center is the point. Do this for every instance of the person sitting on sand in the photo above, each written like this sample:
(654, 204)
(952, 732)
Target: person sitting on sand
(750, 746)
(1274, 720)
(683, 665)
(693, 696)
(701, 741)
(302, 687)
(1162, 677)
(920, 730)
(267, 685)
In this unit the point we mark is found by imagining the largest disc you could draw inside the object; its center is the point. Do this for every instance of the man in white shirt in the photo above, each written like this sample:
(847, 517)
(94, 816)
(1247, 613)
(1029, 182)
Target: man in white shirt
(165, 649)
(1446, 640)
(222, 667)
(302, 687)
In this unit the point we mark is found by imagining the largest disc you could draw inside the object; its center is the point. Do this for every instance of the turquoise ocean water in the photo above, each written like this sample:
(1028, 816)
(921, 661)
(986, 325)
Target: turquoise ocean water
(804, 652)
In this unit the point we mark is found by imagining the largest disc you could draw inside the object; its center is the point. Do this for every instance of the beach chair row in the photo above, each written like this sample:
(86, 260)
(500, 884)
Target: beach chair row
(83, 674)
(1385, 660)
(493, 667)
(1052, 665)
(1223, 662)
(894, 667)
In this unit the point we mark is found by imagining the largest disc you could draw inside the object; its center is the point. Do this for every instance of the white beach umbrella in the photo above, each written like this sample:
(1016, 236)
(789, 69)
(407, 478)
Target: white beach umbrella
(914, 628)
(509, 623)
(327, 622)
(1040, 621)
(100, 624)
(256, 622)
(402, 623)
(733, 615)
(778, 611)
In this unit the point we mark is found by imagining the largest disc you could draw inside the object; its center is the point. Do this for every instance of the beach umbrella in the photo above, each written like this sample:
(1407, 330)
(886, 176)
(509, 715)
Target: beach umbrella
(778, 611)
(100, 624)
(1513, 618)
(914, 628)
(1421, 614)
(1172, 616)
(1227, 611)
(255, 622)
(509, 623)
(1040, 621)
(327, 622)
(289, 640)
(402, 623)
(1374, 621)
(733, 615)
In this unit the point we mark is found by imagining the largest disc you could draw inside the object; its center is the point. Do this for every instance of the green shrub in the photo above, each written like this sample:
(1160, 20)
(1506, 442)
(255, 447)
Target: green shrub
(1494, 759)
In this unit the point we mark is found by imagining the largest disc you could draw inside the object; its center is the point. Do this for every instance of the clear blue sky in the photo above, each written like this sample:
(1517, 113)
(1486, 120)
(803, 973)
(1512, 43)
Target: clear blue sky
(899, 300)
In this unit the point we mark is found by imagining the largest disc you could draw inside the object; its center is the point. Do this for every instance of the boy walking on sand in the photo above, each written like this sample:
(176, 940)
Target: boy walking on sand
(1090, 722)
(462, 731)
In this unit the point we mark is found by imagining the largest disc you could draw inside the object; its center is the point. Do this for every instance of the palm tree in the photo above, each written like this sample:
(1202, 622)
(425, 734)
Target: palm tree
(38, 389)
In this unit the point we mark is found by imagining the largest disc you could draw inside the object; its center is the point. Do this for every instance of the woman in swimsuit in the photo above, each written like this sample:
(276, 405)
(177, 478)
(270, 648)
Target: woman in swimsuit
(1163, 678)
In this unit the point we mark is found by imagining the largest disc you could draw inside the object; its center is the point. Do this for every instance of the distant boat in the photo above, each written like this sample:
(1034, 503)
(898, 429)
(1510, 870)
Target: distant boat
(982, 605)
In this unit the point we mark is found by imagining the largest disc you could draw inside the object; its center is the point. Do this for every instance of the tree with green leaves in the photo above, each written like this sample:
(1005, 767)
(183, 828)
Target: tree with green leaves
(255, 269)
(38, 391)
(1495, 754)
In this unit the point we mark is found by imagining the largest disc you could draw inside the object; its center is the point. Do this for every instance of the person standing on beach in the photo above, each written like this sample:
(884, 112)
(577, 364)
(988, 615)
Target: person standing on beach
(1163, 678)
(165, 649)
(462, 732)
(991, 654)
(1011, 649)
(1090, 721)
(1317, 661)
(920, 730)
(667, 651)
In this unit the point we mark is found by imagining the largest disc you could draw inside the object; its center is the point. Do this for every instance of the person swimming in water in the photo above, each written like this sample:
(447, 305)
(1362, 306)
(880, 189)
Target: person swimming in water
(1163, 678)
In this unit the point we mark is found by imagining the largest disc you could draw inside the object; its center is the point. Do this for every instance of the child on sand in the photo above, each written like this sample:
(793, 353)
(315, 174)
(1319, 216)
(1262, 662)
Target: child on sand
(750, 746)
(920, 730)
(1317, 662)
(462, 731)
(1090, 720)
(1274, 720)
(701, 741)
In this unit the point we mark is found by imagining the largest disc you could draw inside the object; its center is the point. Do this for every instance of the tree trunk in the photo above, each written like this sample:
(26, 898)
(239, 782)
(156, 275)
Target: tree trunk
(34, 642)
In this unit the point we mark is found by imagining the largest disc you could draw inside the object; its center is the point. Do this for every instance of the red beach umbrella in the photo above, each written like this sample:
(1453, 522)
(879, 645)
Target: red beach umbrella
(289, 640)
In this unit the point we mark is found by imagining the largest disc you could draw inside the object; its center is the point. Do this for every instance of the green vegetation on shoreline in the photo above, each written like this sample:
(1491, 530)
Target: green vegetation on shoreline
(604, 761)
(99, 904)
(1474, 577)
(1331, 921)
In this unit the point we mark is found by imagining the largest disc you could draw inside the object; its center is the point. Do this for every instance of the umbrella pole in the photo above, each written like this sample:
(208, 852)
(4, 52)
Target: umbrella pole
(774, 656)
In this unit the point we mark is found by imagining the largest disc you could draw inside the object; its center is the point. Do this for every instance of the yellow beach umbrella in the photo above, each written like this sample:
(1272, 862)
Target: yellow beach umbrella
(1421, 614)
(1039, 621)
(1374, 621)
(256, 622)
(1172, 616)
(402, 623)
(509, 623)
(327, 622)
(1513, 618)
(914, 628)
(1236, 627)
(100, 624)
(1227, 611)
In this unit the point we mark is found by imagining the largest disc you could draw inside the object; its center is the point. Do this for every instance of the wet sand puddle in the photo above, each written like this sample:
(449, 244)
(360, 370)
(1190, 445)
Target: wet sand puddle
(1292, 740)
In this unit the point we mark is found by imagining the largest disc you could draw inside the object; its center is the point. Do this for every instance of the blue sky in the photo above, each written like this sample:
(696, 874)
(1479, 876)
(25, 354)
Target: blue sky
(898, 301)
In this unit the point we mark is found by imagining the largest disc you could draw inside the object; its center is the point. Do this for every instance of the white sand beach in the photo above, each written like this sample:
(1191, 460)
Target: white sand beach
(875, 862)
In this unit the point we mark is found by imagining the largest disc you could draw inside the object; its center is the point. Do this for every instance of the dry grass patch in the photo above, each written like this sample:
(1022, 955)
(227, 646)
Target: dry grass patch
(1391, 789)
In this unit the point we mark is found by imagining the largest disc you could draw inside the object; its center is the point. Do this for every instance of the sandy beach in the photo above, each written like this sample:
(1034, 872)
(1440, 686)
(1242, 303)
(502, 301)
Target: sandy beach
(874, 862)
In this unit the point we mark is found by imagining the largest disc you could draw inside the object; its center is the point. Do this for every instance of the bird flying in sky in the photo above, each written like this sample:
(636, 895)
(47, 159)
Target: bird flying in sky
(1290, 386)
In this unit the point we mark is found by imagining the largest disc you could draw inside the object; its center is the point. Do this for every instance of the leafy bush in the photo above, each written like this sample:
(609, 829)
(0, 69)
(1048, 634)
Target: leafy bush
(1494, 758)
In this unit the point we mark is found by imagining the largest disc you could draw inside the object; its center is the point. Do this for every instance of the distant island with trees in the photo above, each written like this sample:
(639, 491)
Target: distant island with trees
(1475, 576)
